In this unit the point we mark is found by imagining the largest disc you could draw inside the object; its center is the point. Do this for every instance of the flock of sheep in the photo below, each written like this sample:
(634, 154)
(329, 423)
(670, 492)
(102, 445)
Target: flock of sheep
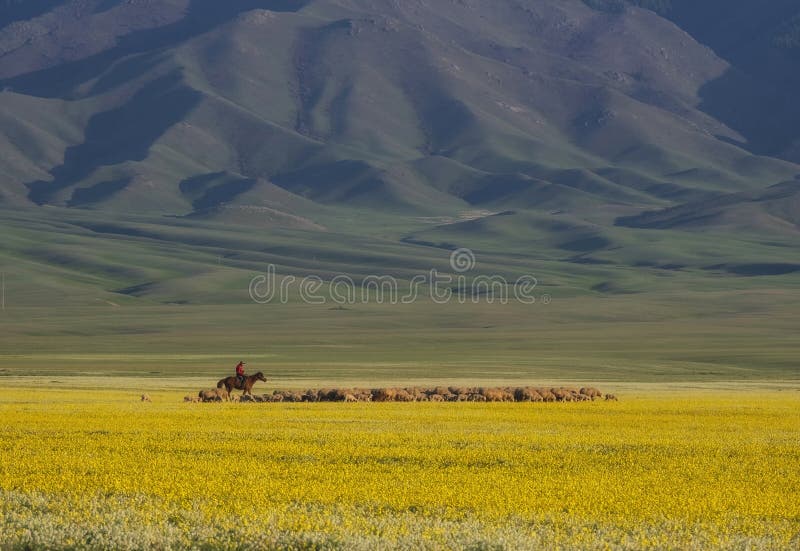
(413, 394)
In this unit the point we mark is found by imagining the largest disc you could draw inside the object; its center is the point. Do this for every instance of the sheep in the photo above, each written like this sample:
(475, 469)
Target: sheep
(350, 398)
(146, 398)
(491, 395)
(436, 398)
(326, 395)
(384, 394)
(562, 395)
(292, 397)
(527, 394)
(546, 395)
(497, 395)
(403, 396)
(214, 395)
(611, 397)
(340, 394)
(591, 392)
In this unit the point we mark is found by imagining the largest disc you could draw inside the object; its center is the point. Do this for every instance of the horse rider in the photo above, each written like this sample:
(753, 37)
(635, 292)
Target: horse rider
(240, 373)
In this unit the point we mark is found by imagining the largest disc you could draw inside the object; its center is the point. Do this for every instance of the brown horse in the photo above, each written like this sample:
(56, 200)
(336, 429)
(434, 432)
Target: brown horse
(234, 382)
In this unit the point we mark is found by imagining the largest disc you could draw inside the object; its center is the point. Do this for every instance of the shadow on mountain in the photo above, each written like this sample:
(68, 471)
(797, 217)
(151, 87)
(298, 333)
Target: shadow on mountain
(20, 10)
(107, 5)
(93, 194)
(122, 134)
(767, 116)
(211, 190)
(201, 17)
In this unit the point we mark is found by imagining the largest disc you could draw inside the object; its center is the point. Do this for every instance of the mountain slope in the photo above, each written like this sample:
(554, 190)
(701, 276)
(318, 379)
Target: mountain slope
(775, 209)
(424, 108)
(757, 95)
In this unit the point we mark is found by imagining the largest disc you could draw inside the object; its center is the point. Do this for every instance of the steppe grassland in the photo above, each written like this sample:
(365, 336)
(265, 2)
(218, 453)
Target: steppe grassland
(702, 468)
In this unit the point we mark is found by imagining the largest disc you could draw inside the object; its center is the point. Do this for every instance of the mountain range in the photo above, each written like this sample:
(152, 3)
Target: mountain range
(277, 111)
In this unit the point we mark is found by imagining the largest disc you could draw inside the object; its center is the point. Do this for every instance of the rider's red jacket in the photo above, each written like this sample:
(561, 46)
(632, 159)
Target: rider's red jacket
(240, 369)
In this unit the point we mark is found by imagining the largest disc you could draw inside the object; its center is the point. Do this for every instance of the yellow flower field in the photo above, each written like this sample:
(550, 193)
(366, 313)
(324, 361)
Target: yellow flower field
(91, 469)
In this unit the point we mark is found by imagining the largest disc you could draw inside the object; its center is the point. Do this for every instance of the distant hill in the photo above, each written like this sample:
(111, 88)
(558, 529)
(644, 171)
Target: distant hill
(776, 208)
(274, 111)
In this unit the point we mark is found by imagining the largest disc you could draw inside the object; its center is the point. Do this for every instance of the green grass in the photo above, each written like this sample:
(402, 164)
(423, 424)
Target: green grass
(170, 299)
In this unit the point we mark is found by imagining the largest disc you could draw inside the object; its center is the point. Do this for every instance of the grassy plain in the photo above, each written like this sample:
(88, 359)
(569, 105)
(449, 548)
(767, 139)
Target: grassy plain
(88, 293)
(666, 467)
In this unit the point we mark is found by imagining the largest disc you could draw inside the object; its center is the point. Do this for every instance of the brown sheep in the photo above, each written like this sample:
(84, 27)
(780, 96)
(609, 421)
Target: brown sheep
(146, 398)
(214, 395)
(350, 398)
(436, 398)
(497, 395)
(546, 395)
(339, 394)
(326, 394)
(527, 395)
(384, 394)
(475, 397)
(562, 395)
(491, 395)
(403, 396)
(611, 397)
(591, 392)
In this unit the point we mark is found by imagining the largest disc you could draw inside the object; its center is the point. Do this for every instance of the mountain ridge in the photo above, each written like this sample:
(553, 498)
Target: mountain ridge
(362, 103)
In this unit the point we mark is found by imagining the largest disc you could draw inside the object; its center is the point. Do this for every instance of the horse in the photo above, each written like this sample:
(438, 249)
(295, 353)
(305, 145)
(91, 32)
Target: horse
(233, 382)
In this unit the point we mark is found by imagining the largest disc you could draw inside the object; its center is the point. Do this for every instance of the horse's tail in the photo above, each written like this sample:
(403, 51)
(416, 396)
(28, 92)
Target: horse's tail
(221, 383)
